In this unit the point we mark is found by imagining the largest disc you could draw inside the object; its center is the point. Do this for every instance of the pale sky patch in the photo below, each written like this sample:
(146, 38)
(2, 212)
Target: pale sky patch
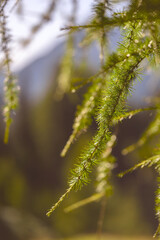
(48, 36)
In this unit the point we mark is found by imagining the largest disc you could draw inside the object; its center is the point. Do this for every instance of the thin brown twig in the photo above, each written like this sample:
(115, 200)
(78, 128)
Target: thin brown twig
(101, 218)
(2, 6)
(45, 18)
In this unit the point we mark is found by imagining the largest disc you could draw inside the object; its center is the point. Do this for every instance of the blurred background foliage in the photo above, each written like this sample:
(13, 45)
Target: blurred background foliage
(33, 175)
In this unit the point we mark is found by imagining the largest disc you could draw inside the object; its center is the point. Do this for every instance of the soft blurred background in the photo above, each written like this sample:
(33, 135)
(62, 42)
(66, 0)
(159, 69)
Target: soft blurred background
(32, 173)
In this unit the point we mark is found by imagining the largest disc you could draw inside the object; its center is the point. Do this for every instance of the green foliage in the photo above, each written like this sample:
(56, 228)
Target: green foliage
(105, 100)
(11, 102)
(10, 84)
(84, 113)
(119, 72)
(106, 97)
(152, 130)
(66, 70)
(104, 170)
(152, 161)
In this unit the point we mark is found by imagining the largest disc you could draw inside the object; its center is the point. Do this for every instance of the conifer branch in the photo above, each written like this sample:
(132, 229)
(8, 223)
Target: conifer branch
(60, 200)
(95, 197)
(153, 129)
(152, 161)
(111, 106)
(64, 78)
(90, 157)
(132, 113)
(103, 174)
(10, 89)
(83, 116)
(67, 63)
(118, 20)
(146, 163)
